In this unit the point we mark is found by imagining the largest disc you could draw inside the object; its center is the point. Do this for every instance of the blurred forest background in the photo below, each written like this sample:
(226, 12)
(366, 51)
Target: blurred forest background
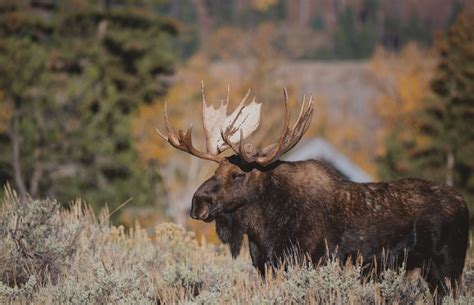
(83, 83)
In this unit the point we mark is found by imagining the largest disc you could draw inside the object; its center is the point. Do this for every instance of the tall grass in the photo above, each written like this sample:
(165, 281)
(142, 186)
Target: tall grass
(51, 255)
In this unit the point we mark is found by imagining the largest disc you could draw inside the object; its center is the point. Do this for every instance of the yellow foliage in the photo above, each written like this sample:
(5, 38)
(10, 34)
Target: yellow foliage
(405, 81)
(422, 141)
(228, 43)
(147, 141)
(411, 91)
(263, 5)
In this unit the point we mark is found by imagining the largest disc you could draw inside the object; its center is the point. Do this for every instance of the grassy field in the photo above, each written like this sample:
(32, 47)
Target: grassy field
(51, 255)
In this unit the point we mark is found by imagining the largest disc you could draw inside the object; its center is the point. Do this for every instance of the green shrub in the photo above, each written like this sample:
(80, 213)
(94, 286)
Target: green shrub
(37, 240)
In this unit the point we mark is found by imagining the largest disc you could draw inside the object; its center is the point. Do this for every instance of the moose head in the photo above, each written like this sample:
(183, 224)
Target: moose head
(234, 183)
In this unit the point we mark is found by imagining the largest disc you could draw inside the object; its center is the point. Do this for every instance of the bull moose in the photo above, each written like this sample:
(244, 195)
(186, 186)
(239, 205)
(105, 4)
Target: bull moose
(282, 205)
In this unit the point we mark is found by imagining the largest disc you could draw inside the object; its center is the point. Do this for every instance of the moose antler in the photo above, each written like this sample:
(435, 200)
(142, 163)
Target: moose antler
(289, 137)
(245, 118)
(224, 131)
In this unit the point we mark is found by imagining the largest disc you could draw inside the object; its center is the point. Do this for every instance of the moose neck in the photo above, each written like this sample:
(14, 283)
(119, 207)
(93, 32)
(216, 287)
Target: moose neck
(287, 190)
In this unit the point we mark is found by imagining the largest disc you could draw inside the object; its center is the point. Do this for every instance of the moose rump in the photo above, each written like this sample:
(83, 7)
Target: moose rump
(410, 221)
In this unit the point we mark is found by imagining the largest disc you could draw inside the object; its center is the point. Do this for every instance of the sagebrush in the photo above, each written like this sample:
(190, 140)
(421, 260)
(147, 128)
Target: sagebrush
(52, 255)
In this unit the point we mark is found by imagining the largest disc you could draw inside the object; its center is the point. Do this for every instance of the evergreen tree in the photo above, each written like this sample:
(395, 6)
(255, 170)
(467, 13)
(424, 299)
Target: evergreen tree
(356, 35)
(72, 74)
(443, 147)
(449, 117)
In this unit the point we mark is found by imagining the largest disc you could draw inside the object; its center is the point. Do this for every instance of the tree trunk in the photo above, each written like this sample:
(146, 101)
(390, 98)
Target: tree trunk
(304, 13)
(450, 168)
(204, 22)
(16, 162)
(37, 174)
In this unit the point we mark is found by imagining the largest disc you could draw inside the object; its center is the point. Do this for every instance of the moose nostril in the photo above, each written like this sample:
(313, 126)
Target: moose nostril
(204, 212)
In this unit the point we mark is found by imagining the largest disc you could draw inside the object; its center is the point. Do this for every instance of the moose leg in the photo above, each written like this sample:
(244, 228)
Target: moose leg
(436, 282)
(445, 278)
(258, 258)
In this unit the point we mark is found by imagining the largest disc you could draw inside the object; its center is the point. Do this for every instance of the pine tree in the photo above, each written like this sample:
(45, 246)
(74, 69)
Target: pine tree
(442, 146)
(448, 118)
(73, 73)
(356, 35)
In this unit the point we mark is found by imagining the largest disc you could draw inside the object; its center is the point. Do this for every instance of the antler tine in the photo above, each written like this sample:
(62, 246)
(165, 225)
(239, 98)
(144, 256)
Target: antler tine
(165, 119)
(187, 141)
(161, 135)
(242, 151)
(226, 138)
(289, 137)
(275, 151)
(231, 128)
(184, 141)
(305, 116)
(239, 147)
(241, 108)
(203, 109)
(302, 110)
(301, 125)
(172, 138)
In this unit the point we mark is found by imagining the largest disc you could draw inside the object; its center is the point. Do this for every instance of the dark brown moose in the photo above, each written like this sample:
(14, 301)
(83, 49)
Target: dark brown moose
(283, 206)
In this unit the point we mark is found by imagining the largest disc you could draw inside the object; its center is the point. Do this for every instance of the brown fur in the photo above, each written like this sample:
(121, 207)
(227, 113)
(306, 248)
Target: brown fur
(307, 209)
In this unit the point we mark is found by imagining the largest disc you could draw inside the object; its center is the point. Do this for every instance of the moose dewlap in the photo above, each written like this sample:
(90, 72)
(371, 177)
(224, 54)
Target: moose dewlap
(307, 209)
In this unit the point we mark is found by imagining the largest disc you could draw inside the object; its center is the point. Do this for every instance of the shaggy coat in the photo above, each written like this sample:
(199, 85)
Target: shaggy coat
(309, 207)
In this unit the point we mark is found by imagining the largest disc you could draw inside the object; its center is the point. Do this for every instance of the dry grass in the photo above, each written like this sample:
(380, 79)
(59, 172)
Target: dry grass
(49, 255)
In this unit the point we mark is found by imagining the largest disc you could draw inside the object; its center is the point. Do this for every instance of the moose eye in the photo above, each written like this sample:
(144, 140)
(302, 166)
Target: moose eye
(238, 176)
